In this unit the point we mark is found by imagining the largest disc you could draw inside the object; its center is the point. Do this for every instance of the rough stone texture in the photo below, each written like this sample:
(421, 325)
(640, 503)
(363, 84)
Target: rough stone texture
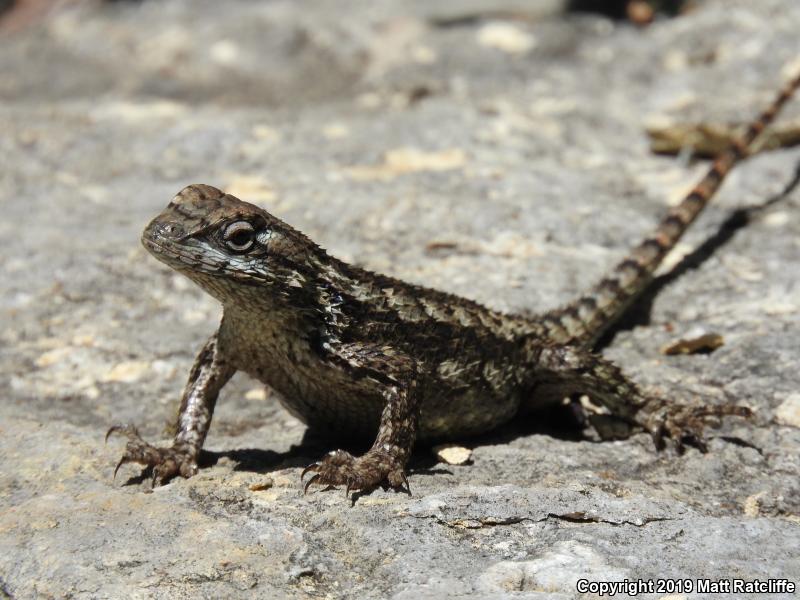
(501, 159)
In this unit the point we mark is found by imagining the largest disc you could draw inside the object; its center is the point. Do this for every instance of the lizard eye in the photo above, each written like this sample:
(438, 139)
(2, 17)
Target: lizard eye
(239, 236)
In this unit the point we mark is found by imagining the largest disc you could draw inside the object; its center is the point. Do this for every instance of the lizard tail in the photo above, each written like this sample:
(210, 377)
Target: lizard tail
(583, 321)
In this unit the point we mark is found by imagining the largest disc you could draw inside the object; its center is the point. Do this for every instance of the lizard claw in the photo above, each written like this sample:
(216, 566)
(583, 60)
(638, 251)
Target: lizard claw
(125, 429)
(310, 482)
(121, 462)
(405, 482)
(311, 467)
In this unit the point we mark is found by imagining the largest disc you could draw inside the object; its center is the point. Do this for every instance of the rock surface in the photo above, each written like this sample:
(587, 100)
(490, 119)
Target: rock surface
(487, 148)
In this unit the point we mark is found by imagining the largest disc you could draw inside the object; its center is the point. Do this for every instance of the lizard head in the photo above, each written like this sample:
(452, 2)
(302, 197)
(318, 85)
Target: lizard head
(223, 243)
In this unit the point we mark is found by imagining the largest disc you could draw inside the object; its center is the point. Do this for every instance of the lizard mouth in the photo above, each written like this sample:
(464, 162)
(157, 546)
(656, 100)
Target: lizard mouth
(180, 256)
(194, 259)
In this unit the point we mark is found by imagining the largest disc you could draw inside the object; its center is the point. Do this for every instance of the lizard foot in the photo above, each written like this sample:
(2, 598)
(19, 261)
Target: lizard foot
(373, 469)
(684, 424)
(166, 462)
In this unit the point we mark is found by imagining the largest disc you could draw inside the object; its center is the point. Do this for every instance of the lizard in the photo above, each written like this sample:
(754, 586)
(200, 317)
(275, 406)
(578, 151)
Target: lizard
(361, 354)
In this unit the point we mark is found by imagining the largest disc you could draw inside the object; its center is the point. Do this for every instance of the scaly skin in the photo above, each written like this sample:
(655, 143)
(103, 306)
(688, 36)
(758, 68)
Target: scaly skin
(353, 352)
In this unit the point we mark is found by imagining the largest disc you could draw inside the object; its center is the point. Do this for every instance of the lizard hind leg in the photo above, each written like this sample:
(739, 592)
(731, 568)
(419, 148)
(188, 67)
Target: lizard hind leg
(616, 407)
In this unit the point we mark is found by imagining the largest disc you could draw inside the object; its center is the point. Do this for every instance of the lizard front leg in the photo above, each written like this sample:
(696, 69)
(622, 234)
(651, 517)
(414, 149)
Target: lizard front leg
(209, 374)
(394, 376)
(618, 406)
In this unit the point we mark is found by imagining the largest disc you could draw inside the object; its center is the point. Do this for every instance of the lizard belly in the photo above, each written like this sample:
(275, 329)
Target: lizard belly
(468, 398)
(468, 413)
(327, 398)
(454, 402)
(317, 392)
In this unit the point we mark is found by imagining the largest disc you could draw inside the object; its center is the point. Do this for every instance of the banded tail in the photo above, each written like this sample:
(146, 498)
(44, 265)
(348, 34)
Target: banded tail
(583, 321)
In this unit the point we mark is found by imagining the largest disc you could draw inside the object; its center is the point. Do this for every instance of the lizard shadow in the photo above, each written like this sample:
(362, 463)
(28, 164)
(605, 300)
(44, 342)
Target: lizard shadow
(559, 422)
(640, 312)
(259, 460)
(311, 448)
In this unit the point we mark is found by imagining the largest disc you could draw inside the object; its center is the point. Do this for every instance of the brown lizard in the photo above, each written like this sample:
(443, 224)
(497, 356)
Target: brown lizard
(355, 352)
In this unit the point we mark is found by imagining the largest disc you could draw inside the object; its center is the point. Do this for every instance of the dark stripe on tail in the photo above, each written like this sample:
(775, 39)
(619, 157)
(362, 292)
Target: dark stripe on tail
(584, 320)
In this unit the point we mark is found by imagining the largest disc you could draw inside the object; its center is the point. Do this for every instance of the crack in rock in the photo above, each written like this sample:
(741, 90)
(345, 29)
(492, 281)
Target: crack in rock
(478, 507)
